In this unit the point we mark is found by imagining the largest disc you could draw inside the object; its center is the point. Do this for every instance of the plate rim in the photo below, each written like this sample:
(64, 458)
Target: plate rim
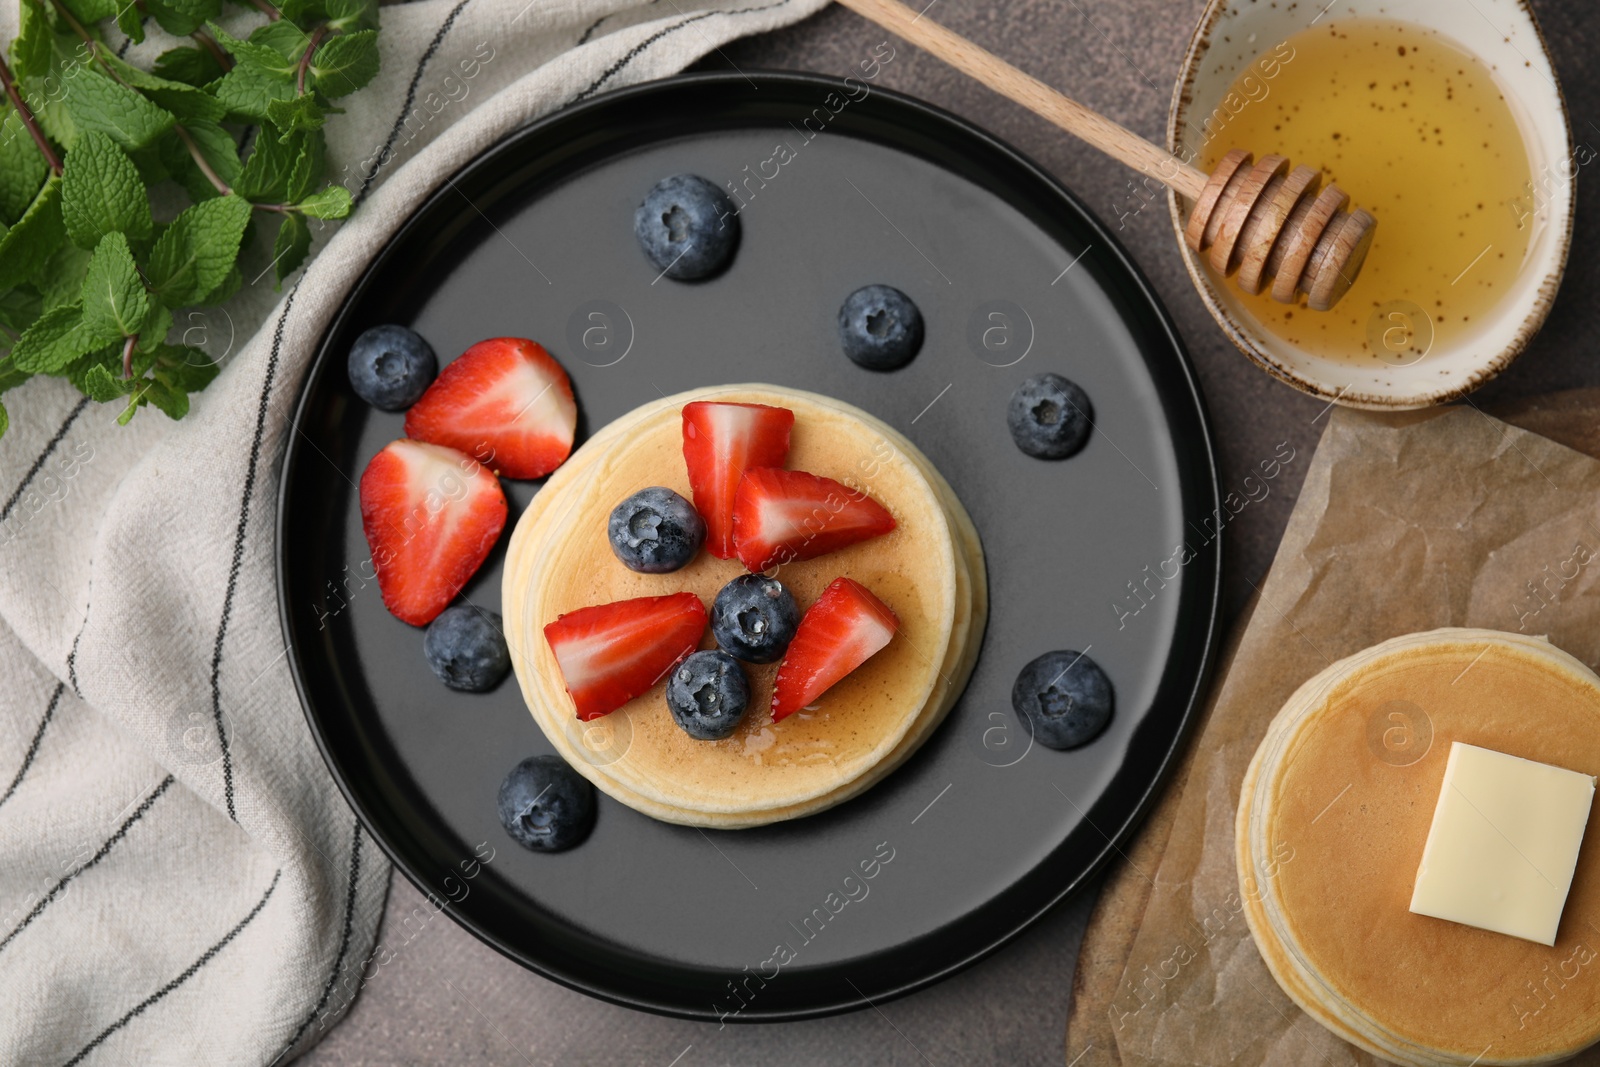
(1210, 487)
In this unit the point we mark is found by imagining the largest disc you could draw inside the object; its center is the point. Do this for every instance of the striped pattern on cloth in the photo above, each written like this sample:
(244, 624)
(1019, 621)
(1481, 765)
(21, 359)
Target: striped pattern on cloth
(180, 880)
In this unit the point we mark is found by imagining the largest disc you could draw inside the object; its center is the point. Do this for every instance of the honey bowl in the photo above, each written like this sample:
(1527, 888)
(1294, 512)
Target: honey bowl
(1445, 122)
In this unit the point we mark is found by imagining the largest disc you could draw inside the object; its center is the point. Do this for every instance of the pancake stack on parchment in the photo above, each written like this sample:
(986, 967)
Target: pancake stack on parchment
(928, 570)
(1335, 810)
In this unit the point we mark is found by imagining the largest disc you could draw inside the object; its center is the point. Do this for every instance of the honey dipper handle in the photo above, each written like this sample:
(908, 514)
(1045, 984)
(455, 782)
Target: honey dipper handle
(1033, 94)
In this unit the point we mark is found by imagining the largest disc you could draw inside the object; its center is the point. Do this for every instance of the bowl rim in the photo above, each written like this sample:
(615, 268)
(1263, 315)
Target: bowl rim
(1243, 339)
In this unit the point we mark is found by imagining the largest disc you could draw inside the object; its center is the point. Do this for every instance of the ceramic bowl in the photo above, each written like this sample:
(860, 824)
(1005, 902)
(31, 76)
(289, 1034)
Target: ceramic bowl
(1504, 35)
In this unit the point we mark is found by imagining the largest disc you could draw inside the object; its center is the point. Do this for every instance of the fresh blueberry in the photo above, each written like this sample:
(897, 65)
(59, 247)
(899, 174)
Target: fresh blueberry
(880, 328)
(687, 226)
(655, 531)
(545, 805)
(1064, 698)
(467, 649)
(1049, 416)
(754, 618)
(390, 367)
(707, 695)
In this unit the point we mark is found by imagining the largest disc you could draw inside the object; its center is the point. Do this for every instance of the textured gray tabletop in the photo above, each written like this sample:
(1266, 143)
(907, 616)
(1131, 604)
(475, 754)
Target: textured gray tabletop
(447, 999)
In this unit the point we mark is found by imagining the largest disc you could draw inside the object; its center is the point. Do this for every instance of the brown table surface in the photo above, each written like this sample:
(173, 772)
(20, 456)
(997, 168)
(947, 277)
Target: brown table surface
(447, 998)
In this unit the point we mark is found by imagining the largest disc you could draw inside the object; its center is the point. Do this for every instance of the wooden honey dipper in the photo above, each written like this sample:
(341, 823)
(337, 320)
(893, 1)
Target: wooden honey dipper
(1275, 227)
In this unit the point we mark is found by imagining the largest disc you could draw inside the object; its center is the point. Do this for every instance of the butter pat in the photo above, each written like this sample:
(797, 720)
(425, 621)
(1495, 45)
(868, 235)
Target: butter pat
(1503, 844)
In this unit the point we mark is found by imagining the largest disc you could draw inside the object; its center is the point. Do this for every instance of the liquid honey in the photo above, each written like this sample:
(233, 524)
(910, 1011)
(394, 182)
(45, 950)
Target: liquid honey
(1416, 131)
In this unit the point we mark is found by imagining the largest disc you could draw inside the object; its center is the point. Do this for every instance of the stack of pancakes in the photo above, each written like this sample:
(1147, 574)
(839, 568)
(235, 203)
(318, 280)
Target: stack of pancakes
(1335, 810)
(929, 570)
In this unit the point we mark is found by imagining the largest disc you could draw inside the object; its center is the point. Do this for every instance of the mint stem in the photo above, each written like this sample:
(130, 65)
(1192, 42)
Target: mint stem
(209, 43)
(127, 356)
(200, 161)
(28, 120)
(305, 60)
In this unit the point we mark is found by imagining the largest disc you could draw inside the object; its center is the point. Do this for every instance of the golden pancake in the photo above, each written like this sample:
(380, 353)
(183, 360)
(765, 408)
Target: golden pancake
(929, 570)
(1330, 831)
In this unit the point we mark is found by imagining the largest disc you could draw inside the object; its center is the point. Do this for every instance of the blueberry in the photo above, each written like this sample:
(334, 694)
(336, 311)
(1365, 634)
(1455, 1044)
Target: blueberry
(880, 328)
(707, 695)
(467, 649)
(1049, 416)
(545, 805)
(754, 618)
(655, 531)
(390, 367)
(1064, 698)
(687, 226)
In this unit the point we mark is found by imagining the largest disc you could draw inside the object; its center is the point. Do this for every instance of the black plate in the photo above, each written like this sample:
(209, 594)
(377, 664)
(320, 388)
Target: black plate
(984, 832)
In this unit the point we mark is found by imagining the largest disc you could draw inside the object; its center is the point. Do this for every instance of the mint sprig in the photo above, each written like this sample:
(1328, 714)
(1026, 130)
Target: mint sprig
(90, 277)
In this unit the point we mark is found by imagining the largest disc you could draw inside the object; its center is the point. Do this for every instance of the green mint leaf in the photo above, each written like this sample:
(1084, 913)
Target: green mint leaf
(61, 281)
(22, 168)
(265, 178)
(96, 103)
(193, 256)
(153, 330)
(344, 64)
(91, 10)
(218, 149)
(11, 376)
(101, 192)
(136, 400)
(19, 307)
(54, 341)
(247, 91)
(5, 420)
(109, 357)
(331, 202)
(101, 386)
(182, 17)
(28, 246)
(303, 12)
(291, 247)
(31, 51)
(173, 403)
(347, 16)
(185, 102)
(262, 57)
(114, 299)
(190, 66)
(283, 37)
(185, 368)
(230, 284)
(309, 165)
(295, 113)
(131, 22)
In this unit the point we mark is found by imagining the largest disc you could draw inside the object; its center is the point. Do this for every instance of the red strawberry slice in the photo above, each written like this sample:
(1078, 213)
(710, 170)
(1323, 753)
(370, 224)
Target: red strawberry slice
(611, 653)
(720, 442)
(504, 401)
(431, 515)
(781, 516)
(839, 633)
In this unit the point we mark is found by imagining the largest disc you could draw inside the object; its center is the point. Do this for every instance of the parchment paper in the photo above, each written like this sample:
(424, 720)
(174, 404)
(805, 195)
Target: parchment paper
(1405, 522)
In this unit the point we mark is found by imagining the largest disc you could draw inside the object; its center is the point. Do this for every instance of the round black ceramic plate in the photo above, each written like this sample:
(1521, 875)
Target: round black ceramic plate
(981, 831)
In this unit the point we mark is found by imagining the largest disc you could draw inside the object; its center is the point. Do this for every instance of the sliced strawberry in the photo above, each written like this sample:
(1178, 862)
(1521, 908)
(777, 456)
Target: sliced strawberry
(839, 633)
(431, 515)
(611, 653)
(505, 402)
(720, 442)
(781, 516)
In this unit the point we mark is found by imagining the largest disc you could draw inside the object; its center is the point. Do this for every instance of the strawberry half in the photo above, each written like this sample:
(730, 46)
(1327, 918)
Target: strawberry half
(431, 515)
(839, 633)
(611, 653)
(504, 401)
(720, 442)
(781, 516)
